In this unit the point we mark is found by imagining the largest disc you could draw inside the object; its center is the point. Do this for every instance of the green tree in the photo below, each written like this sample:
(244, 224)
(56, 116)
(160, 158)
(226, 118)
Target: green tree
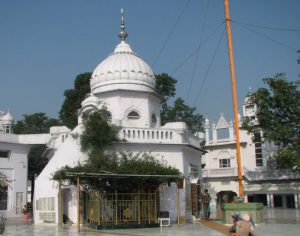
(182, 112)
(98, 133)
(4, 181)
(278, 115)
(36, 123)
(165, 86)
(73, 98)
(179, 111)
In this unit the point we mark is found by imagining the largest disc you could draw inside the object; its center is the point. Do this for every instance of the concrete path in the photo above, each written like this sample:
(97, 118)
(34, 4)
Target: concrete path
(278, 222)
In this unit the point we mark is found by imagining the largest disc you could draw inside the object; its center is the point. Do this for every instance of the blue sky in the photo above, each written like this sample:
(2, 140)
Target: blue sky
(44, 44)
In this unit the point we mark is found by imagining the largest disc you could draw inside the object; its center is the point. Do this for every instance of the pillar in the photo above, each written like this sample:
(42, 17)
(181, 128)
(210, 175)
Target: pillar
(214, 133)
(231, 133)
(271, 201)
(296, 200)
(206, 126)
(268, 200)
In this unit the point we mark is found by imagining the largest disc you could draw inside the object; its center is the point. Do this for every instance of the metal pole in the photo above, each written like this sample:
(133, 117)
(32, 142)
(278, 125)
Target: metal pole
(234, 97)
(78, 204)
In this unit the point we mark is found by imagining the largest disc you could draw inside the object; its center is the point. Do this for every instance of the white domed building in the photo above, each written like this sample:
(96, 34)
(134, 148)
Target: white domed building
(124, 85)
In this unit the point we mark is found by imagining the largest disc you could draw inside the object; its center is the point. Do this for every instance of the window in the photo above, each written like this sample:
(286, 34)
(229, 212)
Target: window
(224, 163)
(133, 115)
(4, 154)
(258, 149)
(223, 133)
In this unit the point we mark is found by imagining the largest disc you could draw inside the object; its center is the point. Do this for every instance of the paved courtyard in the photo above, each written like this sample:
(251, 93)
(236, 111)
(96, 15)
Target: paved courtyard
(278, 222)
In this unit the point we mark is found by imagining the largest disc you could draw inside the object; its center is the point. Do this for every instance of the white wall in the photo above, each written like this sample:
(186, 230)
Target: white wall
(15, 167)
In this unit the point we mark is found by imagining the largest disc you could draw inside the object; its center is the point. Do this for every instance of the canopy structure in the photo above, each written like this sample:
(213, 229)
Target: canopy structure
(83, 175)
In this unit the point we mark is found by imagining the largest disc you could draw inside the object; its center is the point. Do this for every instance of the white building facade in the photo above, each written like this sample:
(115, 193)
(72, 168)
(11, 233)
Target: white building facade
(14, 164)
(124, 85)
(261, 181)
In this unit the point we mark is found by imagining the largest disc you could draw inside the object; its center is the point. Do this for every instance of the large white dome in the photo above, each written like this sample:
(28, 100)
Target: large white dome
(123, 69)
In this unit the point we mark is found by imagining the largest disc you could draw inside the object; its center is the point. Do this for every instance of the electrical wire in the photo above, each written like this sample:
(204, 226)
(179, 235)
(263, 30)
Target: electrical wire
(269, 38)
(208, 68)
(266, 27)
(170, 33)
(198, 52)
(195, 50)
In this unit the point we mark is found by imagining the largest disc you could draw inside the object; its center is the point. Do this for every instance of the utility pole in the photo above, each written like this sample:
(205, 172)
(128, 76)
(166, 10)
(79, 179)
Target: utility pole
(234, 97)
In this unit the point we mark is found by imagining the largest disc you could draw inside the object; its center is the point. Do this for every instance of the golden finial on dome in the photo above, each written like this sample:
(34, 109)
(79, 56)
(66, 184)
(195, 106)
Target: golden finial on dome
(122, 35)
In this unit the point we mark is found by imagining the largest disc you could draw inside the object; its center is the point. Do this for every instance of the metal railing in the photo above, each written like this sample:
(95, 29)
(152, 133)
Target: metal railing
(122, 208)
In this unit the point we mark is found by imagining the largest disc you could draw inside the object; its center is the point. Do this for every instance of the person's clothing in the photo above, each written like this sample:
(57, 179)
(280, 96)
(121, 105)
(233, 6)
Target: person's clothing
(206, 209)
(232, 229)
(244, 228)
(206, 198)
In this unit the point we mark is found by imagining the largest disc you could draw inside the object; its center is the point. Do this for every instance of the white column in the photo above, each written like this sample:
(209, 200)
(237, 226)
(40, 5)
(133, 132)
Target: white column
(296, 200)
(214, 133)
(206, 126)
(231, 133)
(272, 200)
(246, 197)
(269, 200)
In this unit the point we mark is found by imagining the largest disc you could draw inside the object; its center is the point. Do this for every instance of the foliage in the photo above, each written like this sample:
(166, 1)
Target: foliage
(182, 112)
(4, 181)
(165, 86)
(35, 160)
(278, 115)
(36, 123)
(125, 163)
(73, 98)
(27, 208)
(98, 133)
(179, 111)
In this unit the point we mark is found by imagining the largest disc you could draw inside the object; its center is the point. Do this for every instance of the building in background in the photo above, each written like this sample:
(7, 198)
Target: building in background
(14, 163)
(262, 182)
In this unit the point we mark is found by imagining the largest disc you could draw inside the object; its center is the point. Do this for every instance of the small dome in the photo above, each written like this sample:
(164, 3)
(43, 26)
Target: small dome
(91, 100)
(7, 119)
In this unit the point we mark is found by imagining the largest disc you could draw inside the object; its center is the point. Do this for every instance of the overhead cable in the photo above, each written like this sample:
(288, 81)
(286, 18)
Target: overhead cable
(208, 68)
(198, 52)
(170, 33)
(195, 50)
(266, 27)
(269, 38)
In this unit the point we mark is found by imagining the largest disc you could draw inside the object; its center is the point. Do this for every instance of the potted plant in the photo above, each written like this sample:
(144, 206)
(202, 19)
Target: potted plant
(26, 211)
(2, 224)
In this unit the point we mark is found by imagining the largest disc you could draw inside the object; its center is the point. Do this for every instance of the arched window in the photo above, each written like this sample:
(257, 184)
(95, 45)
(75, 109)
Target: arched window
(133, 115)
